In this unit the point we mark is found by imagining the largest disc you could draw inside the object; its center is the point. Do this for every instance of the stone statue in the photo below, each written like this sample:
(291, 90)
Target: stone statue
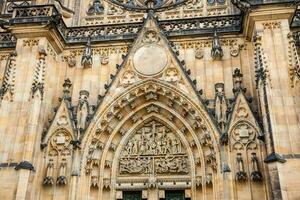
(256, 175)
(62, 179)
(220, 106)
(82, 110)
(241, 174)
(48, 180)
(96, 8)
(87, 59)
(216, 51)
(237, 81)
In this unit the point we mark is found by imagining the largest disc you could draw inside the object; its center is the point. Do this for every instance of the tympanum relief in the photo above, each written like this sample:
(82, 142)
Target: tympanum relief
(153, 148)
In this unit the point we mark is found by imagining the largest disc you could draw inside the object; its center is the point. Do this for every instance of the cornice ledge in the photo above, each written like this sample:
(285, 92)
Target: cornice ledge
(264, 13)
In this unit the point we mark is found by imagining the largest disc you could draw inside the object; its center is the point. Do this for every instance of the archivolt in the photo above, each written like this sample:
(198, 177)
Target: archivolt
(152, 98)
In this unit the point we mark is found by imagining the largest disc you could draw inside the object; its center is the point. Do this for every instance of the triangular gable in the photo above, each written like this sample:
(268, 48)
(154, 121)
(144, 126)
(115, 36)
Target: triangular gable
(242, 112)
(151, 57)
(63, 120)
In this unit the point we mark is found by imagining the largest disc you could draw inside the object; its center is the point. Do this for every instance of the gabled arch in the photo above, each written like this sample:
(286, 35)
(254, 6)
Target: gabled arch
(164, 101)
(148, 86)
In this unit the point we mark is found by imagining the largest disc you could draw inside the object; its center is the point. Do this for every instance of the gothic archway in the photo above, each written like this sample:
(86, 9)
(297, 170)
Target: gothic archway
(160, 101)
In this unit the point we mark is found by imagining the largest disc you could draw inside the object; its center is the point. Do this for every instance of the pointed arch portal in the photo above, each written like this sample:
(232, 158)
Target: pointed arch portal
(152, 136)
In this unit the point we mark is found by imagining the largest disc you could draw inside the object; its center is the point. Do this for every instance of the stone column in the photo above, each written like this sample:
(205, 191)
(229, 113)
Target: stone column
(31, 132)
(277, 107)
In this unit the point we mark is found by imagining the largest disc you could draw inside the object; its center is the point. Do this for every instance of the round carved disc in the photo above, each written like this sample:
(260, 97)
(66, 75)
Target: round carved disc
(150, 60)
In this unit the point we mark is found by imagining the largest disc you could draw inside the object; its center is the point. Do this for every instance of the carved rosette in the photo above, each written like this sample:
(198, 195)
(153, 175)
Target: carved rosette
(153, 148)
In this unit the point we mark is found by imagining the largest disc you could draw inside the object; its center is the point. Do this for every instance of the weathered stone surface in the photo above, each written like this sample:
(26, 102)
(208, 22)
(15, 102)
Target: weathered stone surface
(150, 107)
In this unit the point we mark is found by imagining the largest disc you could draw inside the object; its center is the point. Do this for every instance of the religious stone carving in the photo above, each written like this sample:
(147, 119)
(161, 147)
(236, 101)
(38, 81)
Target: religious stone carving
(87, 59)
(48, 180)
(199, 54)
(220, 106)
(128, 78)
(96, 8)
(240, 174)
(256, 175)
(154, 148)
(82, 110)
(216, 51)
(62, 179)
(237, 81)
(172, 75)
(151, 36)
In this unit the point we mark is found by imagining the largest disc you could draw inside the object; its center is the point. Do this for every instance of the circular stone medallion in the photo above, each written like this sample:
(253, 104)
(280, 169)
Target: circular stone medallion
(149, 60)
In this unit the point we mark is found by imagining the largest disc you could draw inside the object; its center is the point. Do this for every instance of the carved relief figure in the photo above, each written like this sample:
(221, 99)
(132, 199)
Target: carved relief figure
(153, 148)
(96, 8)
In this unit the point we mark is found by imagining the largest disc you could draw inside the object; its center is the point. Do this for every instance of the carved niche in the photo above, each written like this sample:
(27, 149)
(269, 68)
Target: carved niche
(59, 152)
(153, 148)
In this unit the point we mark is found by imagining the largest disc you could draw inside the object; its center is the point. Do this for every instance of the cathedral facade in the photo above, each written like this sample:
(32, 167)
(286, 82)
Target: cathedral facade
(149, 100)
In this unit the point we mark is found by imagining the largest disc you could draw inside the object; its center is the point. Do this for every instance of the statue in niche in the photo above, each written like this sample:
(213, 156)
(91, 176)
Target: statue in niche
(220, 106)
(96, 8)
(241, 174)
(48, 180)
(62, 179)
(256, 175)
(82, 110)
(153, 148)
